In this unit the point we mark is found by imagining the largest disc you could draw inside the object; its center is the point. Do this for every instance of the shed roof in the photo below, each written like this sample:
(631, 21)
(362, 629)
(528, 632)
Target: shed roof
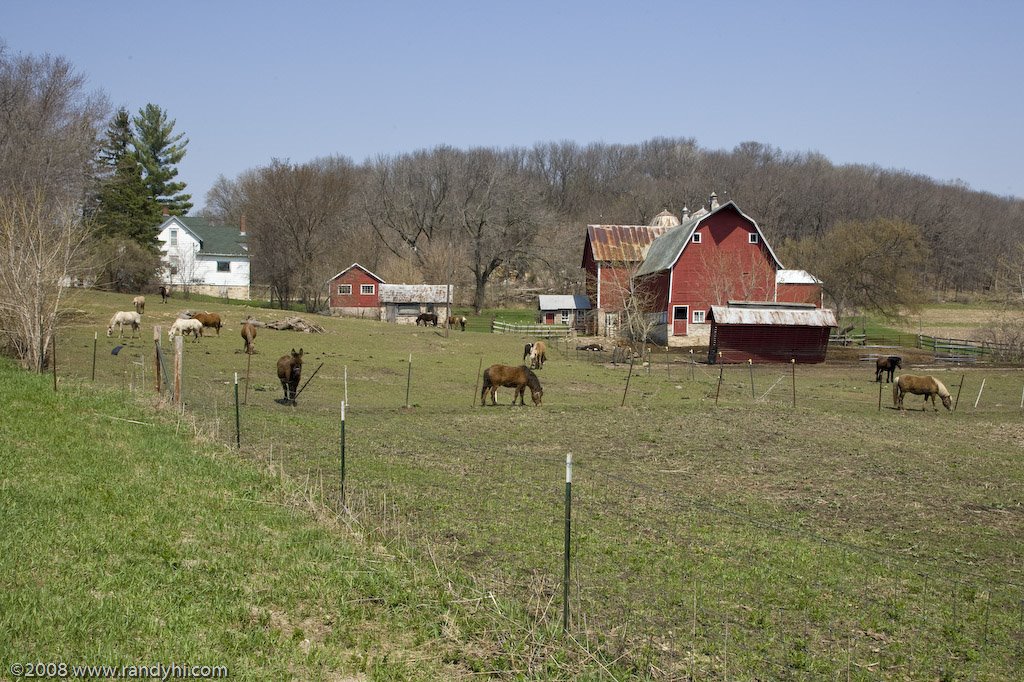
(416, 293)
(774, 314)
(563, 302)
(795, 277)
(666, 249)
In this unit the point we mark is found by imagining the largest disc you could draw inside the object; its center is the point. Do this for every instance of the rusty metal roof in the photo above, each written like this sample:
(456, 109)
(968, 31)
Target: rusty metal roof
(775, 314)
(415, 293)
(622, 243)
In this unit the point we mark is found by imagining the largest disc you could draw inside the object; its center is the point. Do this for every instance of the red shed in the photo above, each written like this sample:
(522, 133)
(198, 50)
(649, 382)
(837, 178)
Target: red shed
(355, 291)
(798, 286)
(769, 332)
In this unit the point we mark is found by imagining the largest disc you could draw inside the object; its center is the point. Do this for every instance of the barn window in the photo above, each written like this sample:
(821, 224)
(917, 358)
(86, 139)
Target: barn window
(698, 316)
(408, 309)
(223, 266)
(366, 289)
(752, 238)
(696, 237)
(344, 289)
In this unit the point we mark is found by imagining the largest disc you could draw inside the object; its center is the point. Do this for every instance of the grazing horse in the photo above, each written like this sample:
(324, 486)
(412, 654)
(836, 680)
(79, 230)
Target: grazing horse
(538, 354)
(184, 327)
(457, 320)
(140, 304)
(289, 369)
(426, 318)
(122, 318)
(527, 351)
(927, 386)
(211, 320)
(249, 336)
(888, 365)
(164, 293)
(513, 377)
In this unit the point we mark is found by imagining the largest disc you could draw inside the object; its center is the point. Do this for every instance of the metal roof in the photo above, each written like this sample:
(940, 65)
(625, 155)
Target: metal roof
(416, 293)
(776, 314)
(563, 302)
(623, 243)
(795, 277)
(665, 251)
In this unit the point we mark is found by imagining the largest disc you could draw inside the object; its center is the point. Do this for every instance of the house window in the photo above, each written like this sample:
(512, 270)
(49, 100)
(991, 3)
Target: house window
(565, 317)
(698, 316)
(172, 237)
(366, 289)
(344, 289)
(752, 238)
(696, 237)
(223, 266)
(175, 263)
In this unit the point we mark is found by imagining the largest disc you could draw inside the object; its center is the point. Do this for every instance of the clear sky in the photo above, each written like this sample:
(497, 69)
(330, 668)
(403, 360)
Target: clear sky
(933, 87)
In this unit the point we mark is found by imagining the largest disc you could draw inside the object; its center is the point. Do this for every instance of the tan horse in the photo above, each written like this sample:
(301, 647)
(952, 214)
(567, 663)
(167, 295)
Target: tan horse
(927, 386)
(249, 336)
(140, 304)
(518, 378)
(538, 354)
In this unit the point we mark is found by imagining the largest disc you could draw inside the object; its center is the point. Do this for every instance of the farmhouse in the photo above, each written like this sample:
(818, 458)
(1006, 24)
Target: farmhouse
(675, 270)
(769, 332)
(567, 309)
(358, 292)
(204, 258)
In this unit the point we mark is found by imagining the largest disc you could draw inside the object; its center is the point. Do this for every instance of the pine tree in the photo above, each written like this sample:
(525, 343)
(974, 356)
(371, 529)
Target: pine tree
(159, 150)
(125, 206)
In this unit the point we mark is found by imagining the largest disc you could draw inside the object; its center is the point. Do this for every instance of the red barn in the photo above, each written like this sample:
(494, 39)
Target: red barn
(355, 292)
(769, 332)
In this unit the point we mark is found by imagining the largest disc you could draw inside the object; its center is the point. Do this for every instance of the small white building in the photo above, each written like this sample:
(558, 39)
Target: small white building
(569, 309)
(204, 258)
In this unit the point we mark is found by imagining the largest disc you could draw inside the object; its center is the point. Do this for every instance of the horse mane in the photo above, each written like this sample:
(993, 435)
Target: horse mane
(943, 393)
(531, 380)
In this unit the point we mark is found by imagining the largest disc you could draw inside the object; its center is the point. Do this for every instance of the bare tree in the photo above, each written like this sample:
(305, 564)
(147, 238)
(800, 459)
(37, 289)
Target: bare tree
(41, 252)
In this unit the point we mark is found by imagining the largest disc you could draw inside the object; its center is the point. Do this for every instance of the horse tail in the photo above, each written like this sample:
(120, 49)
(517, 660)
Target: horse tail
(895, 391)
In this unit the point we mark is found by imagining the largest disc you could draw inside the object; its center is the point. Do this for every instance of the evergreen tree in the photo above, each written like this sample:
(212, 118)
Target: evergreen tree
(125, 207)
(159, 149)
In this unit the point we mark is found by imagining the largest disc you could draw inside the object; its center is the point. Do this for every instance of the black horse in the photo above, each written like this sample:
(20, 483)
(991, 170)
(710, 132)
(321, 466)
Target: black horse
(426, 318)
(888, 365)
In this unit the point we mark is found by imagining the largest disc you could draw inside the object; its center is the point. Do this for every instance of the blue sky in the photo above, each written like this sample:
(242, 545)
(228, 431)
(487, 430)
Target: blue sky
(935, 88)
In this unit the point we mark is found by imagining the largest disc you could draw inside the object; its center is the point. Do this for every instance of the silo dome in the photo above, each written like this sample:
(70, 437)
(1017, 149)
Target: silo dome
(664, 219)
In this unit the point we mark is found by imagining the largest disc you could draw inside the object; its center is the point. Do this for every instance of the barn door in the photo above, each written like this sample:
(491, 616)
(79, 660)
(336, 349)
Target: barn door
(679, 318)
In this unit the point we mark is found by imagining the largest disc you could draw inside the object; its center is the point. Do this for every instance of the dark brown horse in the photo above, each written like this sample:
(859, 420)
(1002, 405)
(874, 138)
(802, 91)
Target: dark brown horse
(518, 378)
(426, 318)
(888, 365)
(289, 369)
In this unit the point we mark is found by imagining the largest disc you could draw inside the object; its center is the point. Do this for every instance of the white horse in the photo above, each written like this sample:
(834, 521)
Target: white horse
(122, 318)
(186, 327)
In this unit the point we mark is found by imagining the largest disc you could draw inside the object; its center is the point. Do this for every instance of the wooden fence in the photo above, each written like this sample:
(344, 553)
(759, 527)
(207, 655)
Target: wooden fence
(542, 330)
(944, 349)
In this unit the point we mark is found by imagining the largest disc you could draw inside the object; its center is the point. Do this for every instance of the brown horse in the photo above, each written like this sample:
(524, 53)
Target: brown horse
(518, 378)
(211, 320)
(426, 318)
(457, 320)
(888, 365)
(249, 336)
(927, 386)
(538, 354)
(289, 369)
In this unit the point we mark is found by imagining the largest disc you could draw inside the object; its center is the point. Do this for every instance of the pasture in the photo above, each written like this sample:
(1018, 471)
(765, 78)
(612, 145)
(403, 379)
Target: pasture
(718, 531)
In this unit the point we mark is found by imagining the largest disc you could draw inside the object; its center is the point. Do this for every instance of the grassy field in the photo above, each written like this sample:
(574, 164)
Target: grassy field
(780, 526)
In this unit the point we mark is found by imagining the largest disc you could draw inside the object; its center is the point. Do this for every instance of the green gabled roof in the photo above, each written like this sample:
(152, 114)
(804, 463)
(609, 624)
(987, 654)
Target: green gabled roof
(666, 249)
(215, 240)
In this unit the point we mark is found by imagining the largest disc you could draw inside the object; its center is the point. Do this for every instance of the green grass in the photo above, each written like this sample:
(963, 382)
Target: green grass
(716, 534)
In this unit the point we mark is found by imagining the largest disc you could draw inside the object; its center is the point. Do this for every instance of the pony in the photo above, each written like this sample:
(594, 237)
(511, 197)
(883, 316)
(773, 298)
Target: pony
(538, 354)
(122, 318)
(426, 318)
(289, 369)
(888, 365)
(184, 327)
(211, 320)
(249, 336)
(527, 351)
(140, 304)
(164, 294)
(457, 320)
(513, 377)
(927, 386)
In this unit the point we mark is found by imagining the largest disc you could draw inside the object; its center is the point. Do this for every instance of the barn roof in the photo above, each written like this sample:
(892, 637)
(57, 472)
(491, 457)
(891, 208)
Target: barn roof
(666, 249)
(356, 265)
(795, 277)
(773, 314)
(623, 243)
(416, 293)
(563, 302)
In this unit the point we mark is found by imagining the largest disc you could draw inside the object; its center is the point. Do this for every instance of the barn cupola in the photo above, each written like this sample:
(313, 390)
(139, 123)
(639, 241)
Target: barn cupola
(685, 213)
(714, 201)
